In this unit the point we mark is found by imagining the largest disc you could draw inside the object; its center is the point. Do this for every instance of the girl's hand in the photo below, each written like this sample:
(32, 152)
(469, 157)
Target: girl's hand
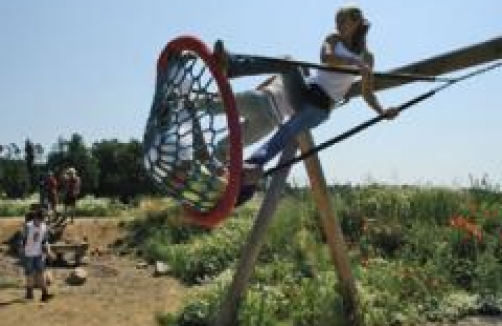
(361, 64)
(390, 113)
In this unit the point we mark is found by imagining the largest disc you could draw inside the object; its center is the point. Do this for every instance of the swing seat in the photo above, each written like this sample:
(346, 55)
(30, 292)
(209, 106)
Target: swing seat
(182, 144)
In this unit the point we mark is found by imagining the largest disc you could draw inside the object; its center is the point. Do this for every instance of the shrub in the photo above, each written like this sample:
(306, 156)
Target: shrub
(13, 207)
(92, 206)
(208, 255)
(200, 308)
(436, 205)
(423, 268)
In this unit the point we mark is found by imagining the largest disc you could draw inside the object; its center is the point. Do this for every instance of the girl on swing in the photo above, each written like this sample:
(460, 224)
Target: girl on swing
(312, 98)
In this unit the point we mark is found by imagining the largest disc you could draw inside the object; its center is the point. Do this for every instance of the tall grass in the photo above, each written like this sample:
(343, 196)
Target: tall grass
(89, 206)
(411, 264)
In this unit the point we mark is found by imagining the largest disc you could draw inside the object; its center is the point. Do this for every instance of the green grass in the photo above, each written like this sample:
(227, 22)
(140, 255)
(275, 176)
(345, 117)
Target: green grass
(86, 206)
(410, 264)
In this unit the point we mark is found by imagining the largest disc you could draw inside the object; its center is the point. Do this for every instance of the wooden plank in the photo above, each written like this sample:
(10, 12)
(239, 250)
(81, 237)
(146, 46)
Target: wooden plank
(227, 315)
(333, 232)
(463, 58)
(63, 247)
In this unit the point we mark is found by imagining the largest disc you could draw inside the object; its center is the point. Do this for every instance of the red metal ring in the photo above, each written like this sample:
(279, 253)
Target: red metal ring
(227, 202)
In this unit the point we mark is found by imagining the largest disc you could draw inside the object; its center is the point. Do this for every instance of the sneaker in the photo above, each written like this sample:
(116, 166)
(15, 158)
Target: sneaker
(251, 173)
(46, 297)
(251, 176)
(246, 194)
(29, 294)
(221, 56)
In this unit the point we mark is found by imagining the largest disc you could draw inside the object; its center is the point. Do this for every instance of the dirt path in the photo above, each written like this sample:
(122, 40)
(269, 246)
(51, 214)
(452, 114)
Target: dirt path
(117, 292)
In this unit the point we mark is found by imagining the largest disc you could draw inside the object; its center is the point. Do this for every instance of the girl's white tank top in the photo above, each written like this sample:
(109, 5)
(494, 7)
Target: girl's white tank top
(336, 84)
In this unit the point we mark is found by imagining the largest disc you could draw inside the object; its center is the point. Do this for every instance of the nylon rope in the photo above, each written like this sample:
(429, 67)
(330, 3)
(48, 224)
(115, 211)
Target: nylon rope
(375, 120)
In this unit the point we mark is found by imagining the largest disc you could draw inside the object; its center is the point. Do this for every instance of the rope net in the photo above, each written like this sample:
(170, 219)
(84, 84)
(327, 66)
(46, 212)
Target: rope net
(186, 142)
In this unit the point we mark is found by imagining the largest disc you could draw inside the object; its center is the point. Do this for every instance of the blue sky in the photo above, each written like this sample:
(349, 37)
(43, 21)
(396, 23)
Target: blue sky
(89, 67)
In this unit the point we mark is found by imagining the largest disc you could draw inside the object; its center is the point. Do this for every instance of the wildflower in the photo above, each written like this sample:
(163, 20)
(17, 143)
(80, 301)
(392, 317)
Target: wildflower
(462, 223)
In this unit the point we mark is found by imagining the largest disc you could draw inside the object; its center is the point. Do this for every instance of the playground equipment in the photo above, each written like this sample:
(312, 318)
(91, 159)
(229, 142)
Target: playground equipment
(78, 250)
(57, 223)
(187, 125)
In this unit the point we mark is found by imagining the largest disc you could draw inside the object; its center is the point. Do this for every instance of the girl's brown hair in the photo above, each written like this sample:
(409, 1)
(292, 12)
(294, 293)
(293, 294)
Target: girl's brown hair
(358, 44)
(347, 12)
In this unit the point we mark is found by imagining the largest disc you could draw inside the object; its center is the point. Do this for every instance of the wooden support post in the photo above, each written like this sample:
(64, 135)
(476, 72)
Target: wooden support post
(227, 315)
(332, 231)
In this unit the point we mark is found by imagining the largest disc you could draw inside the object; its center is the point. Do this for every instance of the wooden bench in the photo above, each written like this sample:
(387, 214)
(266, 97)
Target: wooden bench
(79, 250)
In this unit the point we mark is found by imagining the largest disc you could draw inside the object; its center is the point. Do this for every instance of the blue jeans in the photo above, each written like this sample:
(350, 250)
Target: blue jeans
(308, 117)
(33, 265)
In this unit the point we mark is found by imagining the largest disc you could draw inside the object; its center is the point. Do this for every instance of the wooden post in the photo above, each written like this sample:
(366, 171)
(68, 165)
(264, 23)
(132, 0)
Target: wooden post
(227, 315)
(332, 231)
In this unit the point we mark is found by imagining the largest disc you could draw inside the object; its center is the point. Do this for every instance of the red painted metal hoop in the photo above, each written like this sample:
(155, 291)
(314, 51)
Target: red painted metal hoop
(226, 203)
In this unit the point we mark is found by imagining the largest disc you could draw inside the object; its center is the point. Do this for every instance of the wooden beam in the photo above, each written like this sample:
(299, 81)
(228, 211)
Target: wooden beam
(463, 58)
(227, 314)
(333, 233)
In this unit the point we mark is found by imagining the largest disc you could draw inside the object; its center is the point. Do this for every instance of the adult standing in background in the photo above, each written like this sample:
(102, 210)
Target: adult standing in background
(52, 191)
(72, 191)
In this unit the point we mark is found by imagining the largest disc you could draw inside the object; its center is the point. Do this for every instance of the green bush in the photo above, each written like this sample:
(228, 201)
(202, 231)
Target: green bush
(317, 302)
(387, 239)
(95, 207)
(87, 206)
(436, 206)
(208, 255)
(202, 307)
(13, 207)
(153, 234)
(420, 268)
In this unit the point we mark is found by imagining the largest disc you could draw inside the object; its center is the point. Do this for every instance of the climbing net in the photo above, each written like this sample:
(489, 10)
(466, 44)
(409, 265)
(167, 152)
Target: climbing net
(192, 147)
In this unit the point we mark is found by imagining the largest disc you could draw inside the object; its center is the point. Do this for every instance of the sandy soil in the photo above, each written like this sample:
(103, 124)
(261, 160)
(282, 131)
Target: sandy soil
(118, 291)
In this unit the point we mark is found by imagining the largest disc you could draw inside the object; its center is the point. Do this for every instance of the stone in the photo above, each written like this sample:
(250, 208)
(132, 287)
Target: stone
(77, 277)
(161, 268)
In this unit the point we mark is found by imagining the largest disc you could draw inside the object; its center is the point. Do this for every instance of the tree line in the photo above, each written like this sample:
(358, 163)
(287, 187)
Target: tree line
(108, 168)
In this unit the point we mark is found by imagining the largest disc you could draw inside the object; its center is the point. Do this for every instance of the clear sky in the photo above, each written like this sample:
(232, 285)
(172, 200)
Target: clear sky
(89, 67)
